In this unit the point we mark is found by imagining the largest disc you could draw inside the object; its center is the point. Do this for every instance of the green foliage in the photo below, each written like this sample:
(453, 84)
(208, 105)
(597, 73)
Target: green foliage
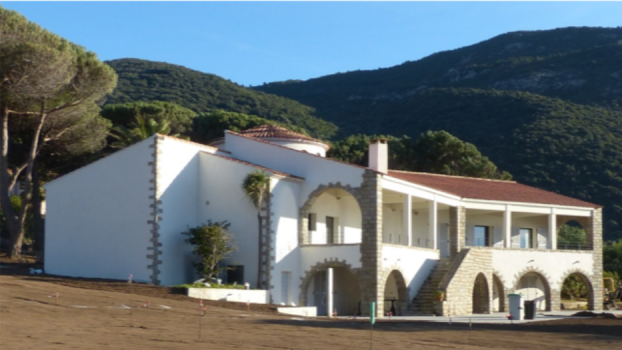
(178, 118)
(48, 93)
(571, 234)
(574, 288)
(141, 129)
(256, 186)
(441, 153)
(211, 244)
(612, 257)
(141, 80)
(434, 152)
(209, 126)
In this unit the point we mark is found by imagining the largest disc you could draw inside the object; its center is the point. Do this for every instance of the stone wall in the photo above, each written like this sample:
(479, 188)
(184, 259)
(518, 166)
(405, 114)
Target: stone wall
(457, 229)
(594, 234)
(459, 281)
(371, 245)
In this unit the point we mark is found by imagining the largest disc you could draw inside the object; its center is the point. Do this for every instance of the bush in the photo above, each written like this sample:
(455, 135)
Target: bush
(212, 243)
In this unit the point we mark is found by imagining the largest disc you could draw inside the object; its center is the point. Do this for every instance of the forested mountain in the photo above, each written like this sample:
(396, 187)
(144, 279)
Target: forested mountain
(544, 105)
(141, 80)
(583, 65)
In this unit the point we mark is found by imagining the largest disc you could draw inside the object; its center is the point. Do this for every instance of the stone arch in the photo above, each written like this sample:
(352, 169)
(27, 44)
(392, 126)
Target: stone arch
(394, 287)
(544, 279)
(320, 268)
(303, 231)
(587, 279)
(499, 293)
(480, 296)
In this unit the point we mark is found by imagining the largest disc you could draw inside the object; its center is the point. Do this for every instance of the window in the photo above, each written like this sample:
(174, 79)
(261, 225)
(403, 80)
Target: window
(312, 224)
(330, 230)
(525, 238)
(481, 236)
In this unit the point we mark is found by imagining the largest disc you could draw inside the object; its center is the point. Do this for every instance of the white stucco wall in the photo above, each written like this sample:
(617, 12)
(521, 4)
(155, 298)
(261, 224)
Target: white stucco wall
(221, 186)
(310, 148)
(96, 222)
(178, 180)
(537, 223)
(285, 207)
(347, 214)
(315, 170)
(312, 255)
(508, 263)
(414, 263)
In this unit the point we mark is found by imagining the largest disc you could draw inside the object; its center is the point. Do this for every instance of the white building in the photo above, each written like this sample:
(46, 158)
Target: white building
(369, 234)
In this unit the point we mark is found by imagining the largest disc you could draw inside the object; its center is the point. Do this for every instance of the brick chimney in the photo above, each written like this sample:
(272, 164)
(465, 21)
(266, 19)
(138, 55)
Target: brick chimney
(379, 155)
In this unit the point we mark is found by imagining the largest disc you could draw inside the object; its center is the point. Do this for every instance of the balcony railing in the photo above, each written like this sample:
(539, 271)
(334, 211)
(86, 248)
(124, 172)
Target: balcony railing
(573, 246)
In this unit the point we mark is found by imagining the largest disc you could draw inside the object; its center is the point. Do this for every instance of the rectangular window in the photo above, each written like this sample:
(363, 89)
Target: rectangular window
(481, 236)
(312, 224)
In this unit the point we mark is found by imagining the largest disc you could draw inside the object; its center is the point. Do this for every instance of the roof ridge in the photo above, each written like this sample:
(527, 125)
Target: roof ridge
(452, 176)
(186, 141)
(299, 151)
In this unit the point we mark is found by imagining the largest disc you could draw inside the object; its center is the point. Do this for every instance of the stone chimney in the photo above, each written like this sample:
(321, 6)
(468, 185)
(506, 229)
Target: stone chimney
(379, 155)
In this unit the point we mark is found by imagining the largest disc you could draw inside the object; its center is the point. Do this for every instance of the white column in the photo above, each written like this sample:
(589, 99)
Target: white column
(433, 220)
(552, 229)
(329, 292)
(507, 226)
(407, 219)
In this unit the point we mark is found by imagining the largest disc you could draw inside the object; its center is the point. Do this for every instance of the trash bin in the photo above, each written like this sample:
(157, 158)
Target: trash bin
(530, 309)
(516, 306)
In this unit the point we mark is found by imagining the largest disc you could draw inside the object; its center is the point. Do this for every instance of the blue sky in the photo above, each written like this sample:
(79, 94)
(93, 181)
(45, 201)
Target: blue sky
(255, 42)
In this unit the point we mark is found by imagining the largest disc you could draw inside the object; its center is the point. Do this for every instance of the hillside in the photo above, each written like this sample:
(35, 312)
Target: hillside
(141, 80)
(543, 105)
(582, 65)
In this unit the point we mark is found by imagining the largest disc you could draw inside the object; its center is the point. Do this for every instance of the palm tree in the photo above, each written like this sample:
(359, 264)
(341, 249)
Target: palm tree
(139, 130)
(256, 186)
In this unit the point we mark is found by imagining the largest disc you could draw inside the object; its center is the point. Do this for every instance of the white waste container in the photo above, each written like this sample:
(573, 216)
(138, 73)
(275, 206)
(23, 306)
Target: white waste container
(516, 306)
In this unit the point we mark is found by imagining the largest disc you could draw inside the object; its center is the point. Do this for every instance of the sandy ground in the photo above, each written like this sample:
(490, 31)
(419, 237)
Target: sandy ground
(90, 314)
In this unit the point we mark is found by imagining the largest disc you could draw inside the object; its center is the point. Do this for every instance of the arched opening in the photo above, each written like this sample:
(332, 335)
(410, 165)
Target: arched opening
(498, 295)
(533, 286)
(577, 292)
(333, 217)
(481, 297)
(571, 236)
(395, 294)
(346, 291)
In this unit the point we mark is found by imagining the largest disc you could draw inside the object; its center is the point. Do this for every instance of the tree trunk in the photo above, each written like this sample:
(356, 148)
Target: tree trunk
(260, 250)
(17, 220)
(37, 218)
(5, 201)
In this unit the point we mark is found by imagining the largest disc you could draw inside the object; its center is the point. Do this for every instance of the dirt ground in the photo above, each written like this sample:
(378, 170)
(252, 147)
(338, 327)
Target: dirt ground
(93, 314)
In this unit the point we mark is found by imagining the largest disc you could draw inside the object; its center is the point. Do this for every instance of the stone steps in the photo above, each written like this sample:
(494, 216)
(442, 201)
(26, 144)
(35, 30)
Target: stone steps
(423, 302)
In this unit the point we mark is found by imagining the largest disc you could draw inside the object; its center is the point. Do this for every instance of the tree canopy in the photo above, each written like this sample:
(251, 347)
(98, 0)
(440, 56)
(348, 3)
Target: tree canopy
(48, 93)
(434, 152)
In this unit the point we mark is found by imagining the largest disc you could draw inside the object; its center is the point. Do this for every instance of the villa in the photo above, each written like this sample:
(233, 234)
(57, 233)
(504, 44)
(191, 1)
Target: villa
(340, 235)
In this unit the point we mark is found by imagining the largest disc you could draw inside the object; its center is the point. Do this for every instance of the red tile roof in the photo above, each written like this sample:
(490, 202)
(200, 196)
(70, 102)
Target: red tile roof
(269, 131)
(495, 190)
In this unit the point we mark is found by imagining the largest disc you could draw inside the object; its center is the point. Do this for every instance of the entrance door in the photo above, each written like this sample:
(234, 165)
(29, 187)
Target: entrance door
(330, 230)
(319, 293)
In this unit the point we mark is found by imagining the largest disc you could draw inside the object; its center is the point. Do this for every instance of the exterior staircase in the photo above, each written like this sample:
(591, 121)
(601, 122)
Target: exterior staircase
(423, 302)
